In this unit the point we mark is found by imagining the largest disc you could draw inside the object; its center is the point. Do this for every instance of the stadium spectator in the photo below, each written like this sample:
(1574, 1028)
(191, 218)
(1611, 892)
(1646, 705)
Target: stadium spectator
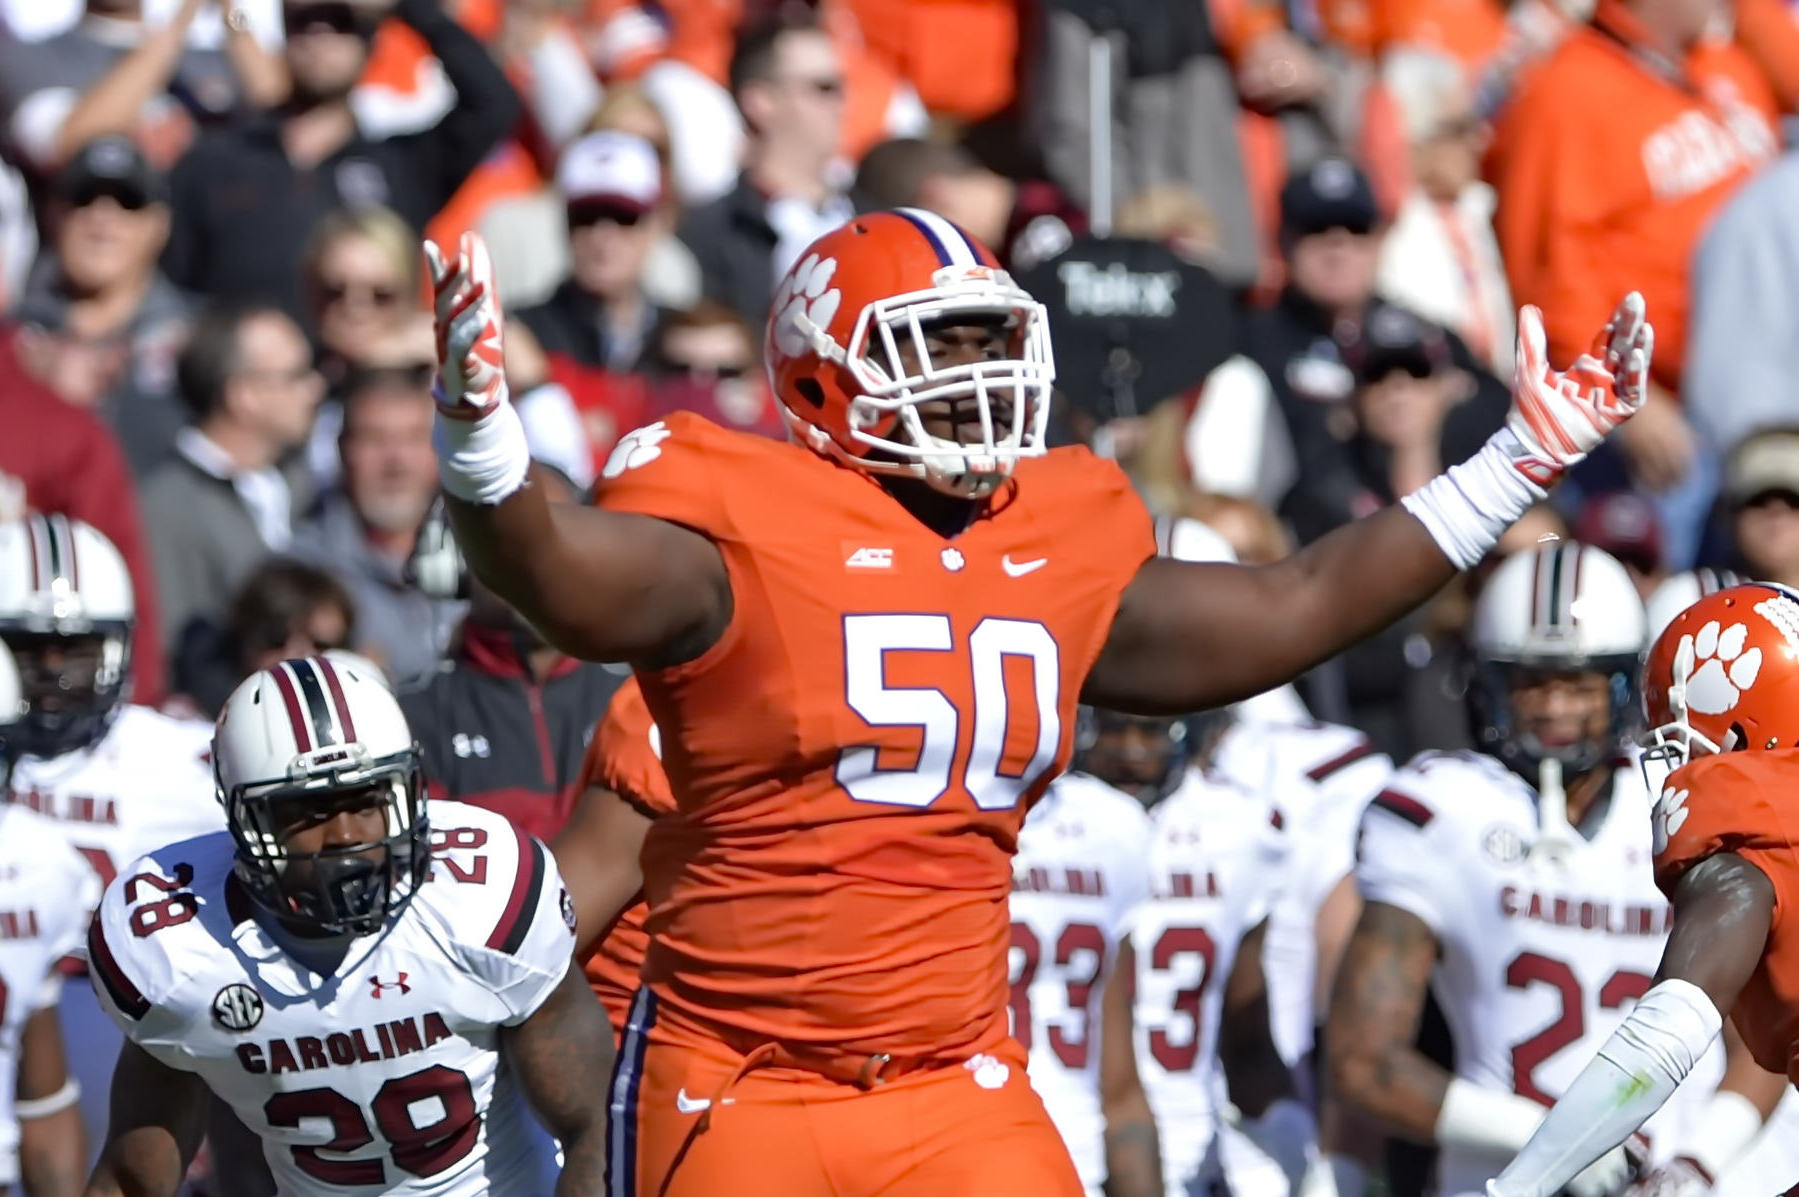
(1440, 257)
(286, 608)
(504, 722)
(114, 72)
(1023, 222)
(61, 460)
(788, 83)
(234, 487)
(102, 324)
(1741, 354)
(361, 284)
(706, 361)
(1761, 487)
(365, 527)
(1590, 208)
(1625, 525)
(246, 198)
(617, 209)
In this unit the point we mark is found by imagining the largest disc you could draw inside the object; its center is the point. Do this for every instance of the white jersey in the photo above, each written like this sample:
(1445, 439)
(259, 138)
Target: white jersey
(1320, 776)
(1215, 858)
(46, 890)
(148, 782)
(384, 1077)
(1540, 961)
(1078, 875)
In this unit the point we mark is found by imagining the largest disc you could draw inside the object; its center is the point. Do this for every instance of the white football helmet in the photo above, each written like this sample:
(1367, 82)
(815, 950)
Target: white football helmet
(1560, 607)
(1682, 590)
(63, 589)
(297, 735)
(12, 706)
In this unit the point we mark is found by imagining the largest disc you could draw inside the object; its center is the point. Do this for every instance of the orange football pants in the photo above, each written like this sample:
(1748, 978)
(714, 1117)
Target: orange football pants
(682, 1127)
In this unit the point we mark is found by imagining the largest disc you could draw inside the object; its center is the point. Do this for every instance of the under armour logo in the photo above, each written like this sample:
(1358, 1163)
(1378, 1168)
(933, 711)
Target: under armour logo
(376, 985)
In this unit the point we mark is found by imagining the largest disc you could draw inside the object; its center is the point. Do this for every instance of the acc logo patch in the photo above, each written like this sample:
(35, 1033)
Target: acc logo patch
(237, 1008)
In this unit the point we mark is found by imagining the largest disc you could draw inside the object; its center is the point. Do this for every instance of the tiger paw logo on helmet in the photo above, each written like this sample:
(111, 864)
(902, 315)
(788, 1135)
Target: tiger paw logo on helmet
(803, 293)
(1722, 669)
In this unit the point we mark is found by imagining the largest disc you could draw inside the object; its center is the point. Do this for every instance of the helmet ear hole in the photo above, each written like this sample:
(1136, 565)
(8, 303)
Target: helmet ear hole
(810, 391)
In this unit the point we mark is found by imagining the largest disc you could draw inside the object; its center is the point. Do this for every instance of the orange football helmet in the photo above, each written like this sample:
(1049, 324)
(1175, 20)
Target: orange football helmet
(847, 353)
(1724, 675)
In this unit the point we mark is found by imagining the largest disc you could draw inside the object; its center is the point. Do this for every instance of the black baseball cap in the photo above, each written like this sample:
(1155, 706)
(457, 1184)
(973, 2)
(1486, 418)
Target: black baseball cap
(1332, 193)
(1395, 339)
(112, 166)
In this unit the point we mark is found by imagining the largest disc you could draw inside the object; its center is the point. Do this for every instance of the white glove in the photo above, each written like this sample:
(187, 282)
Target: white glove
(1606, 1176)
(470, 331)
(1679, 1177)
(1560, 417)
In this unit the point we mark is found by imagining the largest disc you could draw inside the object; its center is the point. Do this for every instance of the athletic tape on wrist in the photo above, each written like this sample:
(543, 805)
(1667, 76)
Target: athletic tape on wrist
(482, 461)
(1467, 508)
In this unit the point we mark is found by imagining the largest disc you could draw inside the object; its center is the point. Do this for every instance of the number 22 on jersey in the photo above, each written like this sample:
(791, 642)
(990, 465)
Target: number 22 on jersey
(990, 721)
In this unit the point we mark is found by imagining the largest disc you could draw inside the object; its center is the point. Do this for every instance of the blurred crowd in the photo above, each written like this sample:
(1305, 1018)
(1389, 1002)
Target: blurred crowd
(1282, 243)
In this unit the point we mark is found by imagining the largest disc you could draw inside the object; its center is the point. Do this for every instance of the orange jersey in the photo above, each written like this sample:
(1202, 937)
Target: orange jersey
(1610, 165)
(623, 758)
(1742, 802)
(854, 757)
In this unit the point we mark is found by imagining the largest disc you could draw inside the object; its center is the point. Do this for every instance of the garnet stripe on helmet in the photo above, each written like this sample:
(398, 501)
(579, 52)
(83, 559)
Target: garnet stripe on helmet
(527, 883)
(339, 703)
(325, 728)
(68, 561)
(125, 995)
(1362, 751)
(36, 532)
(1405, 806)
(291, 699)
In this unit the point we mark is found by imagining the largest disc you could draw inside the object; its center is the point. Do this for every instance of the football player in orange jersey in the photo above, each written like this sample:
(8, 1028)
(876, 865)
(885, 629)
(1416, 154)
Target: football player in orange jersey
(1721, 684)
(867, 647)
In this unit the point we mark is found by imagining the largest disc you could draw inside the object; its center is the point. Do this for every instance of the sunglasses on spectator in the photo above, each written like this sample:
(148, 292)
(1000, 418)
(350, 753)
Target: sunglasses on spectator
(336, 291)
(829, 88)
(418, 375)
(591, 212)
(325, 16)
(673, 366)
(129, 198)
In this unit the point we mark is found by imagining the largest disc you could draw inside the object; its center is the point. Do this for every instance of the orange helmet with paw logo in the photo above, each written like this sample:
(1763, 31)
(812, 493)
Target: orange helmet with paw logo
(849, 354)
(1724, 675)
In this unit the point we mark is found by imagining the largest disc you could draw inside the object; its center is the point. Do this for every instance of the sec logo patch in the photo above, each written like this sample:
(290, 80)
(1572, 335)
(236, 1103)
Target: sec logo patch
(237, 1008)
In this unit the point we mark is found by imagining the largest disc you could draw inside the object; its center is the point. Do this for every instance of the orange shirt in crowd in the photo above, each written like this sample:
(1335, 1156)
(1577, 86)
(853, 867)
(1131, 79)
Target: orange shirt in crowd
(1769, 31)
(1610, 164)
(623, 758)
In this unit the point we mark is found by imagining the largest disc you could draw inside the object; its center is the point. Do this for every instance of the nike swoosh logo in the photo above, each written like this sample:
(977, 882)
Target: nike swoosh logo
(693, 1105)
(1018, 569)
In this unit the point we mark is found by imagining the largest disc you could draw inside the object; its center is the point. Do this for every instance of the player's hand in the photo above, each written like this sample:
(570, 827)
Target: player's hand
(1612, 1172)
(1679, 1177)
(471, 356)
(1561, 416)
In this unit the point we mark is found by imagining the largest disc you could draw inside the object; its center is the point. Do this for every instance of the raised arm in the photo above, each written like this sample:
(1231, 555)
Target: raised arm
(557, 1053)
(1133, 1155)
(1723, 908)
(52, 1152)
(1191, 636)
(599, 585)
(157, 1119)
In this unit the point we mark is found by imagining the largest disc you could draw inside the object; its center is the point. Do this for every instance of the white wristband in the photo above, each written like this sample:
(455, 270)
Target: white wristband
(1467, 508)
(43, 1107)
(1723, 1131)
(485, 460)
(1490, 1121)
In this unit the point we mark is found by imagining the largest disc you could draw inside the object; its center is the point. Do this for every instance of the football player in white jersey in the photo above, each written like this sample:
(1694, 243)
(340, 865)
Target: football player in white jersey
(374, 994)
(1216, 861)
(46, 890)
(1516, 884)
(120, 779)
(1078, 875)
